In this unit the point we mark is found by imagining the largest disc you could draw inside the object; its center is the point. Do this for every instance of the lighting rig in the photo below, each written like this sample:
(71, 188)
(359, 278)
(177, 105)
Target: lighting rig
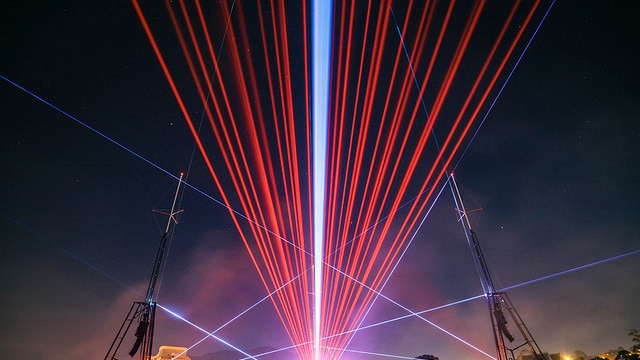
(498, 301)
(144, 312)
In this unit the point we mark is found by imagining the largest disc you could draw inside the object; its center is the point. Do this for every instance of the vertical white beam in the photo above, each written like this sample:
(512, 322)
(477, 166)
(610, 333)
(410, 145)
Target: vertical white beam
(321, 59)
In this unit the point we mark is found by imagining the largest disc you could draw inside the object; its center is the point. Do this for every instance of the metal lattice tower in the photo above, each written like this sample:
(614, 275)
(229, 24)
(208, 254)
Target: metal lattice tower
(144, 312)
(500, 306)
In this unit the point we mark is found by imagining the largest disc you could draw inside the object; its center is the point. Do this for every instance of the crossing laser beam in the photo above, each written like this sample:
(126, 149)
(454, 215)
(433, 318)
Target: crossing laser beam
(334, 166)
(581, 267)
(181, 318)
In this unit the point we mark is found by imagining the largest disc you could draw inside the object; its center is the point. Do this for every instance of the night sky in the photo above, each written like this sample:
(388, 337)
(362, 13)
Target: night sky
(554, 169)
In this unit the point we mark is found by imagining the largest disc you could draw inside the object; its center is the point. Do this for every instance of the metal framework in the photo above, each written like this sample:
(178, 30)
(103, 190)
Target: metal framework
(144, 312)
(500, 306)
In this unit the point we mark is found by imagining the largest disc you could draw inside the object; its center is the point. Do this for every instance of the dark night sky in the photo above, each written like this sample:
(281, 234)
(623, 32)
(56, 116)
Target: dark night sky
(554, 168)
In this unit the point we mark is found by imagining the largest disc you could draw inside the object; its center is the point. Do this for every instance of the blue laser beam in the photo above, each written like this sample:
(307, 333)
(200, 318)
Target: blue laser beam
(115, 280)
(466, 234)
(413, 313)
(406, 54)
(375, 354)
(321, 47)
(130, 151)
(404, 251)
(275, 351)
(581, 267)
(481, 296)
(406, 316)
(112, 278)
(94, 130)
(205, 331)
(65, 251)
(268, 296)
(504, 85)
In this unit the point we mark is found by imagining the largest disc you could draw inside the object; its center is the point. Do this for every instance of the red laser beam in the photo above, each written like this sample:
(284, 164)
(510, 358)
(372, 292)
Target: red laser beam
(402, 107)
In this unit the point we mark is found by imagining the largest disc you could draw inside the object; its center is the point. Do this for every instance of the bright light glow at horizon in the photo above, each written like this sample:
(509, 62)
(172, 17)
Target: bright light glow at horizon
(321, 34)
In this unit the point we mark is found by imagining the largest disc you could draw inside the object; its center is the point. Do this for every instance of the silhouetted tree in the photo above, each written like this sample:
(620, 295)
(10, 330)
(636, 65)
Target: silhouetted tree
(627, 355)
(635, 338)
(580, 355)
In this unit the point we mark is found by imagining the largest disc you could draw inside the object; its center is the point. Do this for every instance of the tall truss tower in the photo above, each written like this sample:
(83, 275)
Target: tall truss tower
(500, 306)
(144, 312)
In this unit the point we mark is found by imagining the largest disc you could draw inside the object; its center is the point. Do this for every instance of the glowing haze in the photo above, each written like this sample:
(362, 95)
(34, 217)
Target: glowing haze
(551, 168)
(396, 91)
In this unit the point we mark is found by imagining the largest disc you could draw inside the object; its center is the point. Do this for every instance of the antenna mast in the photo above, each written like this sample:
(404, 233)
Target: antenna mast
(498, 302)
(145, 311)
